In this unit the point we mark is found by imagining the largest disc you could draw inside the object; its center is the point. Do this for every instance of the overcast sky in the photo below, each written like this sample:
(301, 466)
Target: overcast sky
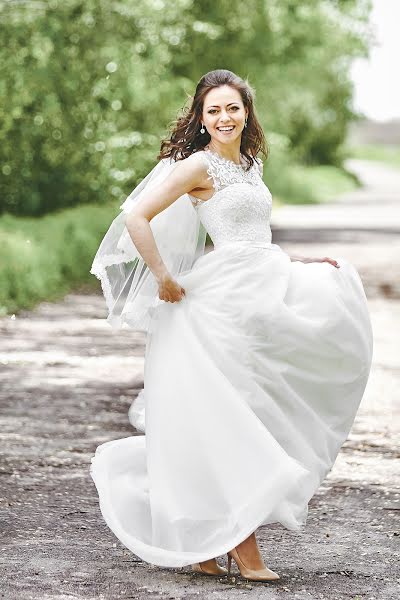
(377, 82)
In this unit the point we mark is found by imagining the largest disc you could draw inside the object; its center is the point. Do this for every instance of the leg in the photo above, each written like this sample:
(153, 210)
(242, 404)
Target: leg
(250, 554)
(249, 560)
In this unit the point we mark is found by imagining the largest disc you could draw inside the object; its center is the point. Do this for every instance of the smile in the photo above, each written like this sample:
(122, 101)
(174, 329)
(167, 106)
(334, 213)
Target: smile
(226, 128)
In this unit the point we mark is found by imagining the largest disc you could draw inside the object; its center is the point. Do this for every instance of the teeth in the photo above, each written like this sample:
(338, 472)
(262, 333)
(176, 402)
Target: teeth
(225, 128)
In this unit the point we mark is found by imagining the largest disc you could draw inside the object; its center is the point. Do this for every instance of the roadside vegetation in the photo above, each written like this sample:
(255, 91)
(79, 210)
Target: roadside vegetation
(91, 86)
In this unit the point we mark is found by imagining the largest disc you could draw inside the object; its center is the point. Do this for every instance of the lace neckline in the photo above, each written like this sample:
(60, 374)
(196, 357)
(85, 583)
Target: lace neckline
(226, 160)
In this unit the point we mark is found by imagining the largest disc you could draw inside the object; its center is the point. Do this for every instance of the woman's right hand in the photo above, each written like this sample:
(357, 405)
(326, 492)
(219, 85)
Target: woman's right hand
(169, 289)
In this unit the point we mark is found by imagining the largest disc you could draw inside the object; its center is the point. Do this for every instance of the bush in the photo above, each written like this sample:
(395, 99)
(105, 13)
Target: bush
(44, 258)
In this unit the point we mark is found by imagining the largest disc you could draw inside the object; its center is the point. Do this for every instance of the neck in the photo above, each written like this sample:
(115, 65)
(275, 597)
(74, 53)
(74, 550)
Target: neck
(228, 151)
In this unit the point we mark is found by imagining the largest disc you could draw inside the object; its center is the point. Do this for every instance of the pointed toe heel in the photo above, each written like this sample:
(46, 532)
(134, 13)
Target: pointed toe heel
(251, 574)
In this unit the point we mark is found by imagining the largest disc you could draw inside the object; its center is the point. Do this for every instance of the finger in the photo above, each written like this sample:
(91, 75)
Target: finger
(333, 262)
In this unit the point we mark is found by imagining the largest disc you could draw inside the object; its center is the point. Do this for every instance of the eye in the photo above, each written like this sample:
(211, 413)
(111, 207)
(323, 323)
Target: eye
(213, 111)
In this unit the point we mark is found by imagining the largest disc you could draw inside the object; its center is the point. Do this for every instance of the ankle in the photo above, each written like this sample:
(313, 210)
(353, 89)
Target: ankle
(249, 553)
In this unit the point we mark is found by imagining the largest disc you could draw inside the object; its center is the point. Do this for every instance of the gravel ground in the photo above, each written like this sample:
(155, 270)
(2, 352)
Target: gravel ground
(67, 381)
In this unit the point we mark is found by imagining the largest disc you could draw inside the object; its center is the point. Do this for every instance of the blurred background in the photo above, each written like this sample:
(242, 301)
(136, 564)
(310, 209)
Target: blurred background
(89, 89)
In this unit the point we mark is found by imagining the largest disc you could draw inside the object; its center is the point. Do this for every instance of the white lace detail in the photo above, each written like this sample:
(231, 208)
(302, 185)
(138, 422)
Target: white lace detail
(240, 209)
(225, 172)
(99, 270)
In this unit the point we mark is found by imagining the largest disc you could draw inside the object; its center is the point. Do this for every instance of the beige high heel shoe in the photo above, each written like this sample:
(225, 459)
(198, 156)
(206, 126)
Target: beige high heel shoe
(259, 575)
(214, 569)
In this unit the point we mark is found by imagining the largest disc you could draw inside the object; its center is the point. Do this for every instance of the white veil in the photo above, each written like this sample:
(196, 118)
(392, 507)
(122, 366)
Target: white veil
(128, 285)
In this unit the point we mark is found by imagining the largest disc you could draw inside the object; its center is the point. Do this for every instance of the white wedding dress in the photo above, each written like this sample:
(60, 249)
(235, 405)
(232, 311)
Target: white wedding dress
(252, 383)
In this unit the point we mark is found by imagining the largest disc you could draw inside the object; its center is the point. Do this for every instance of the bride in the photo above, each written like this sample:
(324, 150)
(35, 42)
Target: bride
(255, 363)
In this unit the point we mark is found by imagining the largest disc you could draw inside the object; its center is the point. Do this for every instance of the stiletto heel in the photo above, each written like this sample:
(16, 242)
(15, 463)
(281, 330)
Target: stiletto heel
(229, 564)
(254, 575)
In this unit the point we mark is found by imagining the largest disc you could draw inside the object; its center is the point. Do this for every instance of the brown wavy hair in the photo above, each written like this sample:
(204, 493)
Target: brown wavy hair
(185, 137)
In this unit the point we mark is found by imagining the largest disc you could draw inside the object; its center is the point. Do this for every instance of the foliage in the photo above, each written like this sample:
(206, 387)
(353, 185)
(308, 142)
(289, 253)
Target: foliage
(293, 183)
(44, 258)
(91, 86)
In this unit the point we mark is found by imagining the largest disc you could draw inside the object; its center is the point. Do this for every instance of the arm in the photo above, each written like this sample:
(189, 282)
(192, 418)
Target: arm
(293, 258)
(304, 259)
(188, 174)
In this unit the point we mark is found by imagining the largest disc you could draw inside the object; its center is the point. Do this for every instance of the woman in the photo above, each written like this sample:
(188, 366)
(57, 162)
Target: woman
(255, 363)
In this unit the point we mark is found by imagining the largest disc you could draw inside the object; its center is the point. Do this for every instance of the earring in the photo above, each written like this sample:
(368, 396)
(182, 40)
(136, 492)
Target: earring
(245, 123)
(202, 130)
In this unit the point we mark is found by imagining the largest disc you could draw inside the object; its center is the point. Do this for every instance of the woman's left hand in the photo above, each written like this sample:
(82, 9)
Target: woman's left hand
(331, 261)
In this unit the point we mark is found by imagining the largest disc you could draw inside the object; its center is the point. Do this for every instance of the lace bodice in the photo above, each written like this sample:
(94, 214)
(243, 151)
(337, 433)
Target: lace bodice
(240, 209)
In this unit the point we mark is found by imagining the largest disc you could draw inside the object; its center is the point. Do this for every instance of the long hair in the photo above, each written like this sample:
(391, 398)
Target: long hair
(185, 137)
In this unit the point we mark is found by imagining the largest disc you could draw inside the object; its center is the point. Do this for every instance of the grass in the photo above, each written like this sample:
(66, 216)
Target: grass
(381, 153)
(299, 184)
(44, 258)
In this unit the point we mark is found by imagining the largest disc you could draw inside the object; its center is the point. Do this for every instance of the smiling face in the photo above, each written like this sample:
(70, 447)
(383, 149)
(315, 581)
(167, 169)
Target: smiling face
(224, 114)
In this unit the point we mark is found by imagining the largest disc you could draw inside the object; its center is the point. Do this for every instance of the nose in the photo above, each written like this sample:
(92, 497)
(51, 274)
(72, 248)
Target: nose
(224, 116)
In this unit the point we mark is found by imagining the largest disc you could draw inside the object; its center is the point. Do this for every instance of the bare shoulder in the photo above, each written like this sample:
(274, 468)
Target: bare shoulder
(193, 170)
(186, 175)
(194, 165)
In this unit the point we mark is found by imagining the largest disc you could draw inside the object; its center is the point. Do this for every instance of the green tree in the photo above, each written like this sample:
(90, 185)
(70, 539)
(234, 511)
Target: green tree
(90, 87)
(88, 90)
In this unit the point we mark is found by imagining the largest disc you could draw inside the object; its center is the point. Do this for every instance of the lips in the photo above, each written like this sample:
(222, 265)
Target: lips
(226, 128)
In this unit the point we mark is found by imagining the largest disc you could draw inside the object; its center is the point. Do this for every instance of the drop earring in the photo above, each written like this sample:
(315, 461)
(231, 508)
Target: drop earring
(202, 130)
(245, 123)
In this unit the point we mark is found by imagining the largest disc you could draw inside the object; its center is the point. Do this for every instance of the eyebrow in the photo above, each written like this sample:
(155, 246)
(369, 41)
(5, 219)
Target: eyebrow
(217, 106)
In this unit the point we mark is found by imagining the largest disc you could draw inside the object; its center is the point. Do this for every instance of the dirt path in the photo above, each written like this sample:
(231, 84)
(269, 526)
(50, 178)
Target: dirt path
(67, 380)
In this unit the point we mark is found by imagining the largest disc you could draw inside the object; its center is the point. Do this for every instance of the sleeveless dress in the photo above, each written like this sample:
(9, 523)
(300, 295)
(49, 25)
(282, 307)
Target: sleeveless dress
(252, 382)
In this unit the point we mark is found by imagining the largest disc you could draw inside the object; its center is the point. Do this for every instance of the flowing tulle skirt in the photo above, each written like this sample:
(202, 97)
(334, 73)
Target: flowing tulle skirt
(252, 383)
